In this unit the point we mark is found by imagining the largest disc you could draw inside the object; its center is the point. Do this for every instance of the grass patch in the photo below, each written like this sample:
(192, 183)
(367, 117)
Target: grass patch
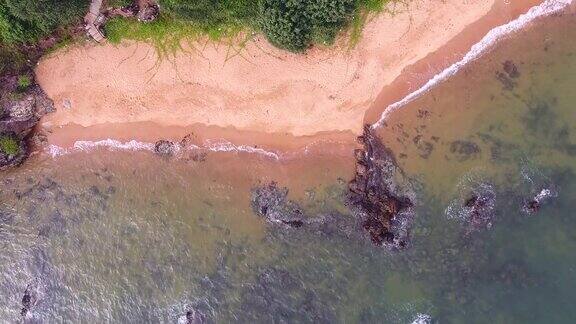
(24, 81)
(366, 9)
(189, 21)
(165, 33)
(9, 145)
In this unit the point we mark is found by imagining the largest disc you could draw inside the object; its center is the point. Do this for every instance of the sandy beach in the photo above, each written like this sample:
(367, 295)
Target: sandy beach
(260, 88)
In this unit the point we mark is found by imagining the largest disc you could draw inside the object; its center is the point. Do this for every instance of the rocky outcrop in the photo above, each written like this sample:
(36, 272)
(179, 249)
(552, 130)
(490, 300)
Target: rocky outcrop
(533, 205)
(19, 114)
(385, 213)
(382, 212)
(165, 148)
(272, 203)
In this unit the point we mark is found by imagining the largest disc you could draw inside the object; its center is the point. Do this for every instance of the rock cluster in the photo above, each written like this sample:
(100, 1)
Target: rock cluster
(165, 148)
(384, 213)
(271, 202)
(19, 114)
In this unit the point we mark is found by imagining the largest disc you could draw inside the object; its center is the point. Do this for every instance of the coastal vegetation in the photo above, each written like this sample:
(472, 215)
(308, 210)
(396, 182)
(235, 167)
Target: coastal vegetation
(31, 28)
(9, 145)
(293, 25)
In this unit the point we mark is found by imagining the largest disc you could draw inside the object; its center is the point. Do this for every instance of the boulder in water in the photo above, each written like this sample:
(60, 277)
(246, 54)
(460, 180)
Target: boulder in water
(165, 148)
(29, 299)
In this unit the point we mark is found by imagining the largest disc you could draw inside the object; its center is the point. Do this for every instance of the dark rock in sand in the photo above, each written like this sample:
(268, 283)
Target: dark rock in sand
(165, 148)
(272, 203)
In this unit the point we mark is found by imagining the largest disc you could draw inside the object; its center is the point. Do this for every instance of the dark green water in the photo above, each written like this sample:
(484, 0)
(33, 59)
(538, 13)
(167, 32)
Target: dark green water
(129, 237)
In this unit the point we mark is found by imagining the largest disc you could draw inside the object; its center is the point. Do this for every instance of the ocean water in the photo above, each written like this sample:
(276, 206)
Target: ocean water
(126, 236)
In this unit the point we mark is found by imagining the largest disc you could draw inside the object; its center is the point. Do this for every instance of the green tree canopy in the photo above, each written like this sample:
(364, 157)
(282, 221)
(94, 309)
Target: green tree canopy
(26, 20)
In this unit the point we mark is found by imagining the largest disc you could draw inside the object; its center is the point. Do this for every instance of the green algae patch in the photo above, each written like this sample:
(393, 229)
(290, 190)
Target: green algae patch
(9, 145)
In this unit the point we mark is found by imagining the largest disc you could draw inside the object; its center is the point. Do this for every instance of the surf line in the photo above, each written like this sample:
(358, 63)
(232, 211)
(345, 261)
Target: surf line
(496, 34)
(133, 145)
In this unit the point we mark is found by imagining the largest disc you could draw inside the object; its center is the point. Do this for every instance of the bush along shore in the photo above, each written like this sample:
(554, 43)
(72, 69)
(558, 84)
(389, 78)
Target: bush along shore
(293, 25)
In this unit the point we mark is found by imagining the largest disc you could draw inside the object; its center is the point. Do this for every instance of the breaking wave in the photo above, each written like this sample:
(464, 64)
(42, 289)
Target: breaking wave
(546, 8)
(133, 145)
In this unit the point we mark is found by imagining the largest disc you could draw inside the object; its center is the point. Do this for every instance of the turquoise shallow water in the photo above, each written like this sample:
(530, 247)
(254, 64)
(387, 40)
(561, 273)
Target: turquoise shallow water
(131, 237)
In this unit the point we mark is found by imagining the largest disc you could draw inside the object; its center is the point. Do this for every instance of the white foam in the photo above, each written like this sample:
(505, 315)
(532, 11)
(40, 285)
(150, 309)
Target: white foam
(55, 150)
(225, 146)
(422, 319)
(133, 145)
(114, 145)
(546, 8)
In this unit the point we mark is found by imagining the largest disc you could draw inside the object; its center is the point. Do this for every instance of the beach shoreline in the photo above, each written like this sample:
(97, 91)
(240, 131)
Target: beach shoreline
(330, 92)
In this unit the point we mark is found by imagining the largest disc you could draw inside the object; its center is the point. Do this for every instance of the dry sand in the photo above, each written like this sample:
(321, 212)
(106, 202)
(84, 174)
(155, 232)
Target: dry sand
(259, 89)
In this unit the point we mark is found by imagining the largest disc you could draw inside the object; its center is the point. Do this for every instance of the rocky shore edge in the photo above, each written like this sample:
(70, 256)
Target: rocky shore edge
(378, 197)
(22, 104)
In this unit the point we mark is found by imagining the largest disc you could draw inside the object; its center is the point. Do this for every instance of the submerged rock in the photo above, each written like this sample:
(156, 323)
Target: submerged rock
(533, 205)
(474, 207)
(464, 150)
(193, 316)
(30, 298)
(384, 213)
(165, 148)
(272, 203)
(279, 296)
(511, 69)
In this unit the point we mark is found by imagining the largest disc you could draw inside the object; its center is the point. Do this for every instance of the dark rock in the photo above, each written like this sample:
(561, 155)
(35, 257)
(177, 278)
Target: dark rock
(511, 69)
(272, 203)
(148, 13)
(194, 316)
(18, 118)
(507, 83)
(475, 208)
(464, 150)
(533, 205)
(30, 298)
(359, 155)
(382, 211)
(23, 109)
(278, 296)
(165, 148)
(361, 169)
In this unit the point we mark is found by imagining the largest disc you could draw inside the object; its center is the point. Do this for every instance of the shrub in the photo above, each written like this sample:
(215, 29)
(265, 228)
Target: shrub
(210, 15)
(9, 145)
(24, 82)
(329, 17)
(286, 23)
(27, 20)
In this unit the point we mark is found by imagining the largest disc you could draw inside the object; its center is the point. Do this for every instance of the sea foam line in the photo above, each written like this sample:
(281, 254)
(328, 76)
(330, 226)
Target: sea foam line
(133, 145)
(546, 8)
